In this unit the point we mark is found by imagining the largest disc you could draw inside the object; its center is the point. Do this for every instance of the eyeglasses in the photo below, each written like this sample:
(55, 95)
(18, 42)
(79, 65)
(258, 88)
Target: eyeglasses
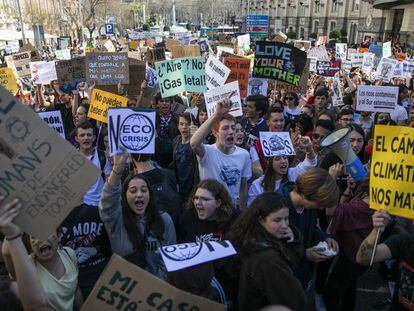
(347, 119)
(318, 136)
(201, 199)
(289, 98)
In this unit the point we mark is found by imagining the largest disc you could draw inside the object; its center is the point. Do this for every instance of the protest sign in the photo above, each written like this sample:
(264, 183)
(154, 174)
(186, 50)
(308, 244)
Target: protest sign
(337, 91)
(257, 86)
(243, 41)
(386, 49)
(213, 96)
(222, 49)
(385, 69)
(204, 45)
(70, 73)
(276, 144)
(22, 60)
(11, 48)
(347, 66)
(357, 59)
(54, 120)
(150, 77)
(125, 286)
(46, 72)
(137, 70)
(181, 256)
(319, 52)
(240, 68)
(279, 61)
(216, 73)
(134, 55)
(340, 51)
(392, 174)
(303, 85)
(40, 168)
(398, 70)
(312, 63)
(302, 45)
(169, 43)
(8, 80)
(376, 98)
(156, 55)
(408, 68)
(34, 72)
(180, 51)
(63, 54)
(109, 46)
(321, 40)
(368, 62)
(101, 101)
(328, 68)
(180, 75)
(107, 68)
(134, 44)
(131, 128)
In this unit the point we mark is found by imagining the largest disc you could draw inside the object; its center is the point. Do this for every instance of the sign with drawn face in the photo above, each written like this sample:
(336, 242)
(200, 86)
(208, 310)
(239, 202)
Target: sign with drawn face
(276, 144)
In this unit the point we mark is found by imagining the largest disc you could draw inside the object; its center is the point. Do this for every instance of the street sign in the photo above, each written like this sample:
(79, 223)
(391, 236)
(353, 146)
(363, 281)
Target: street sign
(110, 20)
(109, 29)
(257, 25)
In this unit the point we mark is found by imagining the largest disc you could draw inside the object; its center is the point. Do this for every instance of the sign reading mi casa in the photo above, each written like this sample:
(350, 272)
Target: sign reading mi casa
(257, 25)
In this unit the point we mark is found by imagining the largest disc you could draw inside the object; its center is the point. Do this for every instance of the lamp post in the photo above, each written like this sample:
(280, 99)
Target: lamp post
(21, 21)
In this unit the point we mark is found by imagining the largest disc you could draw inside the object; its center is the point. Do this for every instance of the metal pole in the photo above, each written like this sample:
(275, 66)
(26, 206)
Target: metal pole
(21, 21)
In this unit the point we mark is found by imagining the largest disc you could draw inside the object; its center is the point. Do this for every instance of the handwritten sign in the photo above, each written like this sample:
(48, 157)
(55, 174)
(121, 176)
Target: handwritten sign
(216, 73)
(107, 68)
(276, 144)
(22, 60)
(8, 80)
(213, 96)
(181, 51)
(101, 101)
(240, 68)
(70, 73)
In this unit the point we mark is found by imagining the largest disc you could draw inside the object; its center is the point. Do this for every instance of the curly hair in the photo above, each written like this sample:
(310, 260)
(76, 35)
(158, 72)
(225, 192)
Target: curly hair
(219, 192)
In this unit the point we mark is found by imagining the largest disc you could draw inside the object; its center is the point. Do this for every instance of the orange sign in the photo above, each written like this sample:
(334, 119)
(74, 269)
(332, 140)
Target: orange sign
(240, 68)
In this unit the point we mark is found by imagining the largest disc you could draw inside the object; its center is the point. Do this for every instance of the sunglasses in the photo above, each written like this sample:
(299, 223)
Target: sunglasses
(318, 136)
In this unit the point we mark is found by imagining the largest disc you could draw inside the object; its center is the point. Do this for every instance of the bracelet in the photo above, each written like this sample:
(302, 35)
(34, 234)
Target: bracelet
(14, 237)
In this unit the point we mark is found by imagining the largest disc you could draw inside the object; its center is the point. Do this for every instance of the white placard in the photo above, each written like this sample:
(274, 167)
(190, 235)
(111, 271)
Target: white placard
(368, 62)
(133, 129)
(337, 91)
(109, 46)
(385, 69)
(46, 72)
(346, 65)
(221, 49)
(386, 49)
(319, 52)
(213, 96)
(376, 98)
(243, 41)
(181, 256)
(312, 63)
(276, 144)
(63, 54)
(12, 48)
(54, 120)
(357, 59)
(257, 86)
(340, 49)
(398, 70)
(150, 77)
(408, 68)
(216, 73)
(34, 71)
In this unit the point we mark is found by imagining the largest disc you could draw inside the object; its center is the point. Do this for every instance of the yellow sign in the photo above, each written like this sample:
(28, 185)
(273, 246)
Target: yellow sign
(134, 44)
(100, 103)
(8, 80)
(392, 170)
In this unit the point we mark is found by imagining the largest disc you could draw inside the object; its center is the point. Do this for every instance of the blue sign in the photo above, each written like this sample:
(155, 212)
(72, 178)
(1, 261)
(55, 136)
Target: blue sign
(257, 25)
(109, 29)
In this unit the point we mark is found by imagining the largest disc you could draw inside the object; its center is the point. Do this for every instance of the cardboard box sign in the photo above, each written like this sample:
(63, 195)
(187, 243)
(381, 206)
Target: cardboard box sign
(21, 62)
(107, 68)
(70, 73)
(40, 168)
(125, 286)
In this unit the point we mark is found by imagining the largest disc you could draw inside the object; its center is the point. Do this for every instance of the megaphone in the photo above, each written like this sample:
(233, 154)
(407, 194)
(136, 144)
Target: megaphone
(338, 142)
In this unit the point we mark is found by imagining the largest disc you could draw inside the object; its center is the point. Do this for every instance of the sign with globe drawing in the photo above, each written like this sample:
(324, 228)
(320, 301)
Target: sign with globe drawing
(131, 129)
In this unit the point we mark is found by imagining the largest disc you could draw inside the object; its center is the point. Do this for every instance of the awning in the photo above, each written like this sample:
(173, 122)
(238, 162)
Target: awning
(388, 4)
(13, 35)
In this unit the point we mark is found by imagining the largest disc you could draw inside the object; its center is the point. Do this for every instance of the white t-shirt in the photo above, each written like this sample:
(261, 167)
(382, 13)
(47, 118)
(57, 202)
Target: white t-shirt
(228, 169)
(399, 113)
(93, 196)
(293, 173)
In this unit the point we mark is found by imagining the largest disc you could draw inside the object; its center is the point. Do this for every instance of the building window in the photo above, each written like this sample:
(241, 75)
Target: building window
(315, 27)
(334, 7)
(317, 7)
(302, 10)
(332, 26)
(355, 5)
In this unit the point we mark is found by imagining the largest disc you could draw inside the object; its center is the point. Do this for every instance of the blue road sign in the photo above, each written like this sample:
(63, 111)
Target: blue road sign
(109, 29)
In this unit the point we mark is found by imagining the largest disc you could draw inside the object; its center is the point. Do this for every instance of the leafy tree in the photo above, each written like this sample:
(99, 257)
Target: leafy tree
(146, 27)
(292, 35)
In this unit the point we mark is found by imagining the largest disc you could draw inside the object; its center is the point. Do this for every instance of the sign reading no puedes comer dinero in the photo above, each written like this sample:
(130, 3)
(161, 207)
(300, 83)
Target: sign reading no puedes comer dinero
(279, 61)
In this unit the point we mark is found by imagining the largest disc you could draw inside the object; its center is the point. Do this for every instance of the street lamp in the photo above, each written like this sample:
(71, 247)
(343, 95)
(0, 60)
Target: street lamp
(21, 21)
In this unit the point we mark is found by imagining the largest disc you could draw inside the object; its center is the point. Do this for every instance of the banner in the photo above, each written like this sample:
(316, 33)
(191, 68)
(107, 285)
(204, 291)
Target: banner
(386, 49)
(216, 73)
(131, 128)
(392, 174)
(107, 68)
(213, 96)
(340, 51)
(181, 51)
(124, 286)
(70, 73)
(54, 120)
(181, 75)
(240, 68)
(44, 171)
(276, 144)
(21, 62)
(257, 86)
(8, 80)
(376, 98)
(328, 68)
(386, 68)
(279, 61)
(101, 101)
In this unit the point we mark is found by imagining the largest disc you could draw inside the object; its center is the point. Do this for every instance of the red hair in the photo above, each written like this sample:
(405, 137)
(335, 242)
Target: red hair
(228, 117)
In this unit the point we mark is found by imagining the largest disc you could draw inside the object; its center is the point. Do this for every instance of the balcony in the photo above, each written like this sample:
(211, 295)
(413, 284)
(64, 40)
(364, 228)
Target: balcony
(388, 4)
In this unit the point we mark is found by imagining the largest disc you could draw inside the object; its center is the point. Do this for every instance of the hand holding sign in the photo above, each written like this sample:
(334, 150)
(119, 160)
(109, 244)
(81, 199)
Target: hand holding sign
(8, 212)
(223, 107)
(380, 219)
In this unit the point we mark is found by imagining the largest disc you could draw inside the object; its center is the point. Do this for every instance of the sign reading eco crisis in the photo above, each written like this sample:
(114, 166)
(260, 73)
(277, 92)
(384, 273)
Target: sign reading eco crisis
(279, 61)
(392, 173)
(257, 25)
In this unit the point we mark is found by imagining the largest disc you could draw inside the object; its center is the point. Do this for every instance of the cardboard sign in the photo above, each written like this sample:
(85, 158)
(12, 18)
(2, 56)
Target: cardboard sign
(386, 49)
(340, 51)
(63, 54)
(54, 120)
(134, 44)
(368, 62)
(107, 68)
(224, 49)
(8, 80)
(34, 72)
(391, 178)
(213, 96)
(328, 68)
(240, 68)
(257, 86)
(131, 128)
(169, 43)
(40, 168)
(22, 60)
(125, 286)
(134, 55)
(180, 75)
(185, 51)
(337, 92)
(156, 55)
(181, 256)
(70, 73)
(302, 45)
(376, 98)
(319, 52)
(101, 101)
(243, 41)
(46, 72)
(276, 144)
(137, 72)
(386, 68)
(357, 59)
(216, 73)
